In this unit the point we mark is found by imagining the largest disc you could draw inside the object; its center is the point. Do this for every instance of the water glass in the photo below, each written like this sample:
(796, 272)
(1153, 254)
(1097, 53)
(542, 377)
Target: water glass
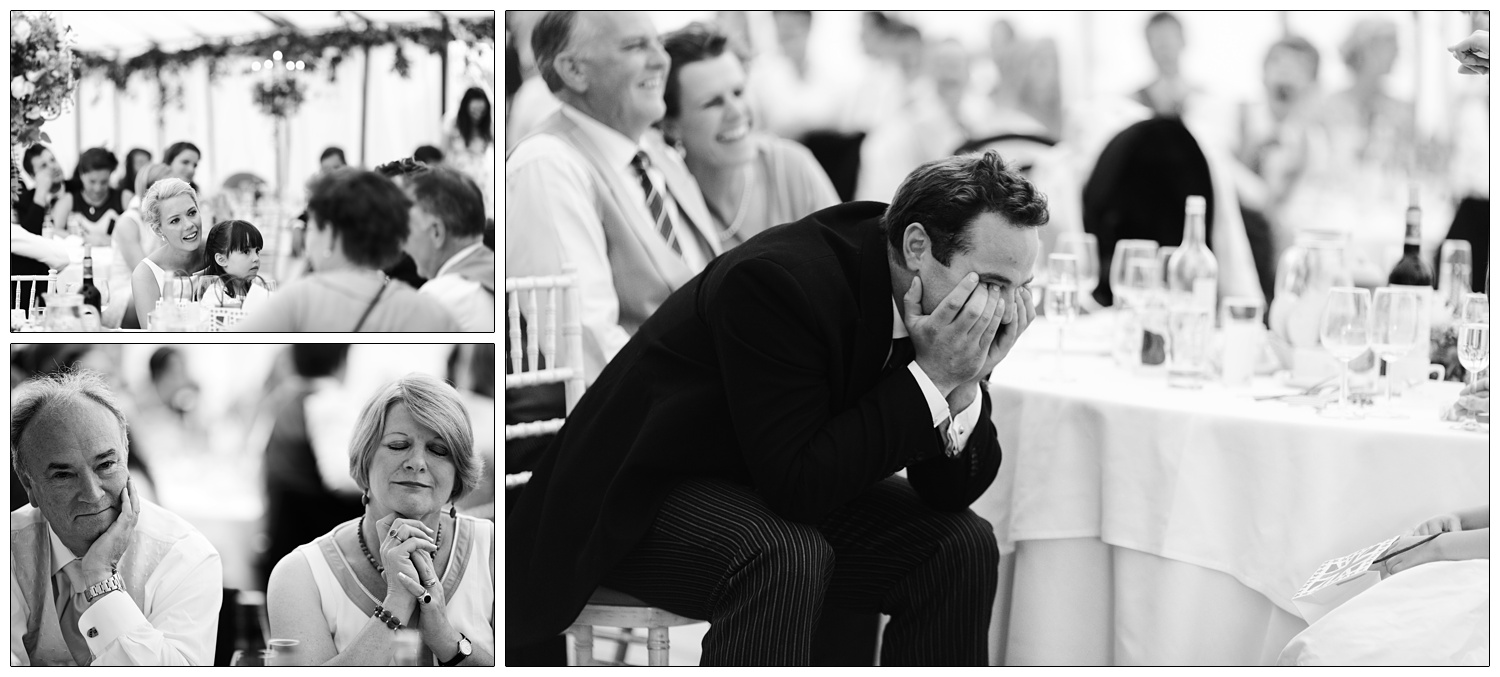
(1455, 272)
(1395, 330)
(1243, 333)
(1061, 298)
(1086, 247)
(1345, 331)
(1473, 343)
(1127, 252)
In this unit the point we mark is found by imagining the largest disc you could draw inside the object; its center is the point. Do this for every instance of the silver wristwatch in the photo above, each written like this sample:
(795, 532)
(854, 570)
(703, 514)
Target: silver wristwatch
(108, 585)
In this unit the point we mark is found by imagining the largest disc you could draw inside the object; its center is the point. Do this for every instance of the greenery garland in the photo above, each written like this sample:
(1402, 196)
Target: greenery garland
(325, 50)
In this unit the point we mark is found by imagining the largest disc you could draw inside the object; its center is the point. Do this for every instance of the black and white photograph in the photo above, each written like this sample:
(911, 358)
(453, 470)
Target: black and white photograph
(252, 504)
(253, 171)
(1013, 338)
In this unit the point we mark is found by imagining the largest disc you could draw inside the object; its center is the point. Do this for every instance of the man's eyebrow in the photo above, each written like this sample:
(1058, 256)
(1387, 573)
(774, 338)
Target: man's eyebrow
(1006, 280)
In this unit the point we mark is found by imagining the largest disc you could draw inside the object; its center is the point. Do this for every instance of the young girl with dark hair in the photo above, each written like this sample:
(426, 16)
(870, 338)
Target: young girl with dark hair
(233, 279)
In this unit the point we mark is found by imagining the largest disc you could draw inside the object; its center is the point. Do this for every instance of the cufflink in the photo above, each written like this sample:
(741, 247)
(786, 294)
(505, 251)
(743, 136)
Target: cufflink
(93, 632)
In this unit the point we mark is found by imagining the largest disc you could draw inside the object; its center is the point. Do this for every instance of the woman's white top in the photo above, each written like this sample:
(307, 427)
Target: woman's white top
(214, 296)
(468, 584)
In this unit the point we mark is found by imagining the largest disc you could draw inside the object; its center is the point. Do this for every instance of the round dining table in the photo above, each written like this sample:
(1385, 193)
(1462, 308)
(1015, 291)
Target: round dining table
(1143, 524)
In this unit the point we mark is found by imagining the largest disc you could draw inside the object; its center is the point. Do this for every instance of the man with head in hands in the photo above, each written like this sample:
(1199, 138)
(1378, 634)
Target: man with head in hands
(98, 576)
(737, 460)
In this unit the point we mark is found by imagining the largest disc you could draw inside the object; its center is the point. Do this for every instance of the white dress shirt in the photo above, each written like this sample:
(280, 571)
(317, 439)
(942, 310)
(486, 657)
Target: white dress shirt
(466, 300)
(181, 587)
(963, 424)
(547, 181)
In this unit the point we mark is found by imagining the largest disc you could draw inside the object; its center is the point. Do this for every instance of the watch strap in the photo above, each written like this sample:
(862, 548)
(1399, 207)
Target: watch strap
(108, 585)
(461, 655)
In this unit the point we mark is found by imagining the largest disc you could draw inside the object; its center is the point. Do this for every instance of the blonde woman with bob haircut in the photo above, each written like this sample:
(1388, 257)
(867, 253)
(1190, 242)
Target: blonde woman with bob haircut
(410, 561)
(170, 210)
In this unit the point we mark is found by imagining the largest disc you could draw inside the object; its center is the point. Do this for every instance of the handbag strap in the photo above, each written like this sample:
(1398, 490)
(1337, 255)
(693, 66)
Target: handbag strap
(384, 282)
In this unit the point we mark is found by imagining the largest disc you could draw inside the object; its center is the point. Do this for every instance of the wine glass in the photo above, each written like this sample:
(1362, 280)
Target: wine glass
(1061, 297)
(1345, 330)
(1455, 266)
(1126, 253)
(1473, 343)
(1085, 246)
(1394, 331)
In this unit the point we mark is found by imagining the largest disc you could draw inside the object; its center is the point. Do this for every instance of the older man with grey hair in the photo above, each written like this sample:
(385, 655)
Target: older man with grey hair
(98, 576)
(595, 187)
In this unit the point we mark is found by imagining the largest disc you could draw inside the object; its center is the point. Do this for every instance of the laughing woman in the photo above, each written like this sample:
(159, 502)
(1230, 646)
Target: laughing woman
(750, 180)
(407, 562)
(170, 210)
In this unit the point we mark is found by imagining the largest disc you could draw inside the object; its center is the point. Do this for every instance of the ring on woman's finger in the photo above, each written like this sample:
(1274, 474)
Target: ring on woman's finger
(393, 532)
(427, 598)
(428, 584)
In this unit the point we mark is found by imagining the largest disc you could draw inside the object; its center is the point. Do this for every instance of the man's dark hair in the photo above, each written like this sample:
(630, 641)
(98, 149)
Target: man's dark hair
(1163, 17)
(452, 197)
(159, 360)
(1300, 46)
(312, 360)
(549, 39)
(367, 211)
(330, 152)
(31, 154)
(946, 195)
(427, 155)
(692, 43)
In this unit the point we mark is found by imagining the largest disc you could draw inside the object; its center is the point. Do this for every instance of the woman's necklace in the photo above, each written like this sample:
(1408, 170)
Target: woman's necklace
(380, 569)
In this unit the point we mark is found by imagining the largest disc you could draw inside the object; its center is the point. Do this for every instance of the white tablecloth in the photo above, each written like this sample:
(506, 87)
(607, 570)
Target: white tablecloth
(1150, 525)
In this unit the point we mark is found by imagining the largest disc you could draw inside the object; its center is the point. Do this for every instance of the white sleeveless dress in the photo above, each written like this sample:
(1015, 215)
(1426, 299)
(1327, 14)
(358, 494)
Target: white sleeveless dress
(468, 584)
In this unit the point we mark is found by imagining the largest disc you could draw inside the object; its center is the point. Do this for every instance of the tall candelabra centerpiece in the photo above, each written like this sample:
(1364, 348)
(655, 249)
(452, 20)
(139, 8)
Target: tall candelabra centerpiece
(278, 93)
(42, 83)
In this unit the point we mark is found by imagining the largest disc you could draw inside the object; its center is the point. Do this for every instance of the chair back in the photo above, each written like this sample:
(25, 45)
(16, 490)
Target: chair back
(30, 283)
(545, 341)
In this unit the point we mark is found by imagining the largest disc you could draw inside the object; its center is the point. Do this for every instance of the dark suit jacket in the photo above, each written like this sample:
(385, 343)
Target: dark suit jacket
(764, 370)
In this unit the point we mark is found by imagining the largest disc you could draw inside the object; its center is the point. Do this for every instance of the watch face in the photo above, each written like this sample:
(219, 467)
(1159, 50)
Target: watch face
(465, 647)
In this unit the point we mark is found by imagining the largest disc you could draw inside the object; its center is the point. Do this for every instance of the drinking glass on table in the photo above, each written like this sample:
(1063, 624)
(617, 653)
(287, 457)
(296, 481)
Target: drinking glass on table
(1126, 253)
(1061, 298)
(1086, 247)
(1394, 331)
(1473, 344)
(1163, 255)
(1345, 330)
(1455, 270)
(1131, 274)
(1243, 330)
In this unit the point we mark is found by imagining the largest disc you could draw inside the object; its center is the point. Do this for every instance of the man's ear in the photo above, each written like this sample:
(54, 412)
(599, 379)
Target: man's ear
(915, 245)
(572, 71)
(439, 231)
(30, 493)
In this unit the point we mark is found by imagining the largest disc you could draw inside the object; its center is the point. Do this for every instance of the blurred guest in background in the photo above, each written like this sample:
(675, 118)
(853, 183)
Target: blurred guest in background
(99, 576)
(136, 160)
(308, 490)
(1469, 171)
(183, 157)
(428, 155)
(791, 95)
(447, 224)
(331, 159)
(91, 198)
(132, 241)
(470, 144)
(750, 180)
(596, 188)
(30, 253)
(533, 101)
(358, 223)
(399, 564)
(471, 370)
(1167, 95)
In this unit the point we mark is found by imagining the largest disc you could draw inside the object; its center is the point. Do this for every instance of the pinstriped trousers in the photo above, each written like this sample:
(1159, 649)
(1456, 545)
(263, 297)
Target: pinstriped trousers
(717, 552)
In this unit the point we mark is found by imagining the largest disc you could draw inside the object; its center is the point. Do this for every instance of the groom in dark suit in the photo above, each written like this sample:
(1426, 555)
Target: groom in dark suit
(736, 461)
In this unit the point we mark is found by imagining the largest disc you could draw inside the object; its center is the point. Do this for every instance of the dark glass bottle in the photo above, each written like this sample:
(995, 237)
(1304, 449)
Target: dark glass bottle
(91, 294)
(1411, 270)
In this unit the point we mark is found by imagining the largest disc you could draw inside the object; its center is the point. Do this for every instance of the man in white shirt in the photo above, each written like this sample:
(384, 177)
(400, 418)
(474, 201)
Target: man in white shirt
(446, 242)
(592, 186)
(98, 576)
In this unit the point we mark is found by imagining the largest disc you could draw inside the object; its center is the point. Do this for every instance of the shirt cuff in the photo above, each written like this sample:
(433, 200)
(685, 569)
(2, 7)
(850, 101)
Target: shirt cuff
(935, 400)
(112, 615)
(964, 422)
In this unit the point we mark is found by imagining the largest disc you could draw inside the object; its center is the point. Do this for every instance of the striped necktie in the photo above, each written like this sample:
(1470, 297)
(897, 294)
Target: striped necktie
(656, 202)
(69, 603)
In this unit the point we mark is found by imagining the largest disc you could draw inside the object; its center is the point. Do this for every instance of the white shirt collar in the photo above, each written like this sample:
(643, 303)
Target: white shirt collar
(61, 555)
(898, 326)
(618, 149)
(458, 256)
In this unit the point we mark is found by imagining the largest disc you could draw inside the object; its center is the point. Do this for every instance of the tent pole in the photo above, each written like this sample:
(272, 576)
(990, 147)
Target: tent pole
(364, 110)
(213, 163)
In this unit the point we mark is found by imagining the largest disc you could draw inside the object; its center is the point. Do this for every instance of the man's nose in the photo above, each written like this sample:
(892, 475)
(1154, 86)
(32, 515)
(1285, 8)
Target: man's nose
(658, 57)
(92, 489)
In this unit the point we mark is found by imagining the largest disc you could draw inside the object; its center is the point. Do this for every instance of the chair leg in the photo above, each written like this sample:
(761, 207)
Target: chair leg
(583, 644)
(622, 647)
(657, 647)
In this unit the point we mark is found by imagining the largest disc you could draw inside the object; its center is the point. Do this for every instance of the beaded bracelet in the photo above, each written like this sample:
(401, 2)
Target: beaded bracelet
(385, 616)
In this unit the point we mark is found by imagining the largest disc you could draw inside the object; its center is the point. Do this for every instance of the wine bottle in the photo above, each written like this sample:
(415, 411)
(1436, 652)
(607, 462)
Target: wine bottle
(1411, 270)
(1193, 285)
(91, 294)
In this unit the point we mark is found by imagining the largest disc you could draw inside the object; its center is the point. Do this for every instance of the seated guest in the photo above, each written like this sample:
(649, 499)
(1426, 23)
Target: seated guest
(592, 186)
(447, 225)
(170, 211)
(32, 255)
(136, 160)
(404, 269)
(331, 159)
(407, 561)
(132, 241)
(183, 158)
(89, 195)
(98, 576)
(736, 461)
(357, 221)
(750, 180)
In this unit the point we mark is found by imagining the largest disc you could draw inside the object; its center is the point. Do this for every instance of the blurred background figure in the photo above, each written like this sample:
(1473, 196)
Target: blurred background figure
(750, 180)
(532, 102)
(1469, 167)
(471, 370)
(428, 155)
(470, 144)
(331, 159)
(1167, 95)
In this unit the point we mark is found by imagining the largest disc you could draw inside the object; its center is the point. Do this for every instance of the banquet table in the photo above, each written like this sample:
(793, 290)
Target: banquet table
(1149, 525)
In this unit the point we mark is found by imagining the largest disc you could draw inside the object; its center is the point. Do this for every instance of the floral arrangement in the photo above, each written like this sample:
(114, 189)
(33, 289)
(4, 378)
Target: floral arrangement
(279, 97)
(42, 61)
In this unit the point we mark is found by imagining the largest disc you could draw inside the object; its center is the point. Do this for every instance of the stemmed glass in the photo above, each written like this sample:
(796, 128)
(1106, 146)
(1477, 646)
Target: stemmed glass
(1473, 344)
(1126, 252)
(1061, 298)
(1394, 332)
(1131, 278)
(1085, 246)
(1345, 330)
